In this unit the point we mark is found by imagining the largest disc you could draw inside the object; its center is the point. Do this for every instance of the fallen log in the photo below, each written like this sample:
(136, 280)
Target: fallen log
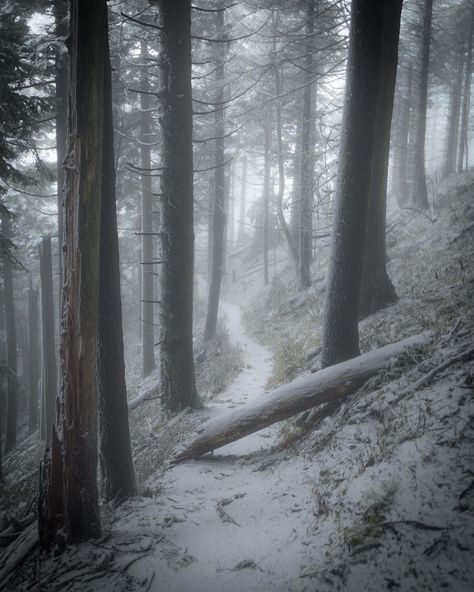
(330, 384)
(150, 394)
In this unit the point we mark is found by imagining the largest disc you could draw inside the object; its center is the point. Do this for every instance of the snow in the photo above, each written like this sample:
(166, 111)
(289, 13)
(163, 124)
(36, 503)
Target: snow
(379, 496)
(222, 511)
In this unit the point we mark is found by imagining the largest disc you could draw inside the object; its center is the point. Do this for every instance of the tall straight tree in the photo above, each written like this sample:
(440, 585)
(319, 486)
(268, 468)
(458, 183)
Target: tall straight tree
(60, 9)
(466, 99)
(147, 317)
(364, 68)
(377, 289)
(177, 376)
(68, 505)
(33, 341)
(116, 465)
(419, 195)
(266, 196)
(218, 210)
(11, 358)
(289, 237)
(400, 137)
(49, 383)
(451, 147)
(305, 230)
(243, 200)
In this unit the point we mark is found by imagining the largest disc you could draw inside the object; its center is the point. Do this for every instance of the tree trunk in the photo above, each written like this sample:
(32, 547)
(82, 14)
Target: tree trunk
(296, 190)
(467, 90)
(11, 358)
(34, 347)
(419, 196)
(340, 329)
(243, 202)
(306, 392)
(305, 234)
(230, 216)
(177, 378)
(266, 197)
(118, 477)
(400, 149)
(451, 148)
(377, 289)
(281, 169)
(49, 385)
(68, 504)
(219, 205)
(60, 8)
(148, 264)
(23, 393)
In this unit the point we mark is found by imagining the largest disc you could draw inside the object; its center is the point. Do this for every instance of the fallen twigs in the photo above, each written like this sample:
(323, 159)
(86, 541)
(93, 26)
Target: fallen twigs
(426, 379)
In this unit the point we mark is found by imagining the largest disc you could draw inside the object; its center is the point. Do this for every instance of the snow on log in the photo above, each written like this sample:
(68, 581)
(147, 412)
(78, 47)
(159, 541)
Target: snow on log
(148, 395)
(306, 392)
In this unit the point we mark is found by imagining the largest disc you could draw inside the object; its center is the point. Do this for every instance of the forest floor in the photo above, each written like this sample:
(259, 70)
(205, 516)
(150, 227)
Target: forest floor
(378, 496)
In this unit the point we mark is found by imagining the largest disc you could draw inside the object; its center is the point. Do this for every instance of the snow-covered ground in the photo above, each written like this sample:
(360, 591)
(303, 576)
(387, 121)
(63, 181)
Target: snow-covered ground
(231, 519)
(378, 496)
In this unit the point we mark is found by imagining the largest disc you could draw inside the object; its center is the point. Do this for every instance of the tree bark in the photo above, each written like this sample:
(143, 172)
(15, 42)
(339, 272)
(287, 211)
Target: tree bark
(266, 198)
(419, 196)
(23, 393)
(115, 452)
(451, 149)
(68, 504)
(340, 328)
(49, 384)
(467, 90)
(218, 218)
(147, 305)
(296, 190)
(400, 149)
(305, 234)
(243, 202)
(330, 384)
(377, 289)
(34, 347)
(60, 9)
(281, 170)
(177, 377)
(11, 357)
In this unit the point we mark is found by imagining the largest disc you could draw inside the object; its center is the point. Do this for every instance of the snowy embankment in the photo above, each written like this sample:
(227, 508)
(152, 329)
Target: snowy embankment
(378, 496)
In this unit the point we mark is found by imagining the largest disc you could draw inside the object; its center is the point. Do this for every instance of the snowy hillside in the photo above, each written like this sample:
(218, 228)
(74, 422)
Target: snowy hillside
(378, 495)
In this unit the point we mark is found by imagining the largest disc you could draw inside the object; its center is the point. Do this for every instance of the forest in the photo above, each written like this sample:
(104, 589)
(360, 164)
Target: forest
(236, 295)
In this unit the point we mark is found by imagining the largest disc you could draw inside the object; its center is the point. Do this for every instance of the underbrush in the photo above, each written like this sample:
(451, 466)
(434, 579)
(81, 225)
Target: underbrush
(217, 363)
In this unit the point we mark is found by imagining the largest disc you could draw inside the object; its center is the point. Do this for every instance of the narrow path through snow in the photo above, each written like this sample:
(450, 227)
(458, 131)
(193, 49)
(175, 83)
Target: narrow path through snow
(232, 519)
(251, 382)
